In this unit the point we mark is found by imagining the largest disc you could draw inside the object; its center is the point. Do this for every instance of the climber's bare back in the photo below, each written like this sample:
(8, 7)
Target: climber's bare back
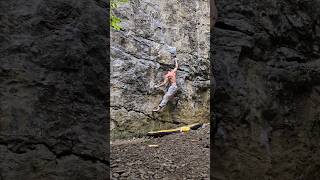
(172, 77)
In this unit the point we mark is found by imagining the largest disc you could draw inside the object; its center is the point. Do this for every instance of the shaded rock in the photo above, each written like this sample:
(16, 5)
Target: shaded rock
(266, 103)
(53, 85)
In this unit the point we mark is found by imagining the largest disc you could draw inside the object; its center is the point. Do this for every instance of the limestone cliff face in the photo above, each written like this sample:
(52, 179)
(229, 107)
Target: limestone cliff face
(267, 96)
(139, 60)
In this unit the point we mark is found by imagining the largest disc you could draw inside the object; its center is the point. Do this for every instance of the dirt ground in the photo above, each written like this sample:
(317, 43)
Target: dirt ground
(178, 156)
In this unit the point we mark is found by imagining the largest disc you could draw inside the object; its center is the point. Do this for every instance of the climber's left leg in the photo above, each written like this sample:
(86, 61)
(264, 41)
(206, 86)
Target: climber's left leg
(175, 100)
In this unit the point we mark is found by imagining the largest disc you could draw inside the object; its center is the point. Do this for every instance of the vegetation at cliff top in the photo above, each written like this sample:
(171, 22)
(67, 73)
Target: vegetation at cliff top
(114, 20)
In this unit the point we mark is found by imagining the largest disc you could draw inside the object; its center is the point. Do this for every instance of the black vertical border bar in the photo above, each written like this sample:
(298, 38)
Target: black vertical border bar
(213, 123)
(108, 85)
(38, 132)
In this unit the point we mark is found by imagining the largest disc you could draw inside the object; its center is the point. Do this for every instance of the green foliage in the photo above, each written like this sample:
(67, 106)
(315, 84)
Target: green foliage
(114, 20)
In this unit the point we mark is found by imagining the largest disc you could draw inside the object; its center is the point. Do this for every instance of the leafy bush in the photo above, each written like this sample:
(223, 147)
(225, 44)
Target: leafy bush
(114, 20)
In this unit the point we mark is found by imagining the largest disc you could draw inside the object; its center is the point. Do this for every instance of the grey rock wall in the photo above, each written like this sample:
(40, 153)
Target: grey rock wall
(267, 98)
(139, 60)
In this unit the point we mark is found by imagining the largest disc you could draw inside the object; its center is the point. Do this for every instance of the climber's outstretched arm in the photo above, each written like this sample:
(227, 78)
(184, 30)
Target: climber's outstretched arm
(163, 83)
(176, 68)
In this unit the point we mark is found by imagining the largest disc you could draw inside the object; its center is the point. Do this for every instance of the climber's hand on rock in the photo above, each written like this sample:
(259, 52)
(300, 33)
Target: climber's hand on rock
(156, 86)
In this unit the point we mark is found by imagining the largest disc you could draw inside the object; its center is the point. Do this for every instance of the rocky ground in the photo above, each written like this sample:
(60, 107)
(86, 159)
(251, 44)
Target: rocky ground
(177, 156)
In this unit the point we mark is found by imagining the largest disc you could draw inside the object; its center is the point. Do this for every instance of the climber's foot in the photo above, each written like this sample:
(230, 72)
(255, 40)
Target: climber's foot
(157, 110)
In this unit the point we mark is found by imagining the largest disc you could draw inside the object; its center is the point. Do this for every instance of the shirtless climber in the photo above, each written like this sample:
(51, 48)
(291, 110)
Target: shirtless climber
(171, 78)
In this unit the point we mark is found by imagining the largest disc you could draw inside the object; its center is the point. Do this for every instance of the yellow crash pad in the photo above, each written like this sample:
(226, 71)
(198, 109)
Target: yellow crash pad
(176, 130)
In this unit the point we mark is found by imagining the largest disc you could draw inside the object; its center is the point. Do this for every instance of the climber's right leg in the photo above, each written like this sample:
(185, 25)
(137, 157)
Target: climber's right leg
(163, 102)
(169, 95)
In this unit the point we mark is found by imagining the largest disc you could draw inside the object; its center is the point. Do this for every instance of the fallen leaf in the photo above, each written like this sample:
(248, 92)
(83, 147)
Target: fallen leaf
(153, 145)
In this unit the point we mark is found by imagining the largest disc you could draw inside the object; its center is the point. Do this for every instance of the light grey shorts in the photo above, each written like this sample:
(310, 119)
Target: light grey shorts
(169, 94)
